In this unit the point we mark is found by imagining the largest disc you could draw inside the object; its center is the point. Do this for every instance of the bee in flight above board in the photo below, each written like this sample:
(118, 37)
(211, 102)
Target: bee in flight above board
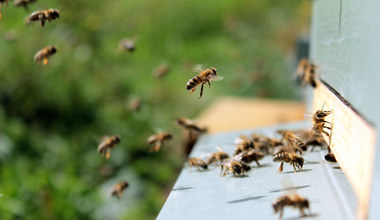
(204, 76)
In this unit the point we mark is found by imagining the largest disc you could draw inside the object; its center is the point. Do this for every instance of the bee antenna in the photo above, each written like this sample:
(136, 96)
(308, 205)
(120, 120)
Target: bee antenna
(323, 105)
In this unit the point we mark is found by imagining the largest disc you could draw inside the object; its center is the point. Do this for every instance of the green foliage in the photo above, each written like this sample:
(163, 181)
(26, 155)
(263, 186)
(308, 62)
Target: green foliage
(52, 117)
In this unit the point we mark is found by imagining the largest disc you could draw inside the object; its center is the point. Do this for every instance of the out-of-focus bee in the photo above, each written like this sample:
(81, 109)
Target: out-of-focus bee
(316, 140)
(306, 72)
(293, 140)
(119, 188)
(23, 3)
(241, 139)
(249, 156)
(2, 2)
(48, 14)
(190, 126)
(158, 139)
(236, 167)
(161, 71)
(44, 54)
(293, 200)
(330, 158)
(217, 157)
(291, 158)
(264, 144)
(244, 146)
(134, 104)
(107, 144)
(203, 77)
(127, 44)
(197, 162)
(309, 137)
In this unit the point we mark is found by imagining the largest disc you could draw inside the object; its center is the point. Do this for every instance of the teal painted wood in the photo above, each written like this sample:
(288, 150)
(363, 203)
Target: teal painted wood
(207, 195)
(345, 42)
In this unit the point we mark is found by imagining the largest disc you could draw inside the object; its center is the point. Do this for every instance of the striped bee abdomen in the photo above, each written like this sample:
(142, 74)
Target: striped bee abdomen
(193, 82)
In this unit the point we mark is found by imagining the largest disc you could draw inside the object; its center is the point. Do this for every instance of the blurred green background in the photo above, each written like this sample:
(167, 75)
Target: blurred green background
(53, 117)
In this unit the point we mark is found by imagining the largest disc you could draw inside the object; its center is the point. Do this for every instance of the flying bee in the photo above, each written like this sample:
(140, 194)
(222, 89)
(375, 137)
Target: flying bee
(190, 126)
(292, 158)
(306, 72)
(134, 104)
(293, 140)
(161, 71)
(48, 14)
(127, 44)
(236, 167)
(197, 162)
(202, 78)
(2, 2)
(330, 158)
(158, 139)
(217, 157)
(119, 188)
(249, 156)
(107, 144)
(44, 54)
(293, 200)
(244, 146)
(23, 3)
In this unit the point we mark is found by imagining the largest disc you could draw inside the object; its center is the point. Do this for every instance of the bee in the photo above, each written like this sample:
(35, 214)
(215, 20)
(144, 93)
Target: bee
(292, 158)
(264, 144)
(306, 72)
(23, 3)
(127, 44)
(249, 156)
(316, 140)
(293, 200)
(108, 143)
(217, 157)
(202, 78)
(196, 162)
(158, 139)
(244, 146)
(294, 141)
(330, 158)
(134, 104)
(1, 4)
(161, 71)
(321, 126)
(119, 188)
(44, 54)
(48, 14)
(236, 167)
(309, 137)
(190, 125)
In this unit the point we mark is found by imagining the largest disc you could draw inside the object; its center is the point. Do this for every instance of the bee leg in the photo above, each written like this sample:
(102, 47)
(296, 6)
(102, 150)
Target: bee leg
(200, 96)
(281, 213)
(281, 167)
(209, 84)
(258, 164)
(294, 167)
(42, 23)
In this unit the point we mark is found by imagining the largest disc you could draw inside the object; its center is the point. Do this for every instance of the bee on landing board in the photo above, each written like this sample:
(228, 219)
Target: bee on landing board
(217, 157)
(203, 77)
(291, 158)
(293, 200)
(158, 139)
(249, 156)
(236, 167)
(291, 139)
(197, 162)
(107, 144)
(44, 54)
(23, 3)
(306, 72)
(264, 144)
(119, 188)
(321, 126)
(2, 2)
(243, 147)
(45, 15)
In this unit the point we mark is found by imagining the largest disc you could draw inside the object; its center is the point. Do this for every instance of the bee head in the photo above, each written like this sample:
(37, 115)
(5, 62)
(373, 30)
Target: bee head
(53, 49)
(275, 206)
(300, 161)
(213, 70)
(117, 138)
(305, 204)
(236, 168)
(55, 13)
(204, 166)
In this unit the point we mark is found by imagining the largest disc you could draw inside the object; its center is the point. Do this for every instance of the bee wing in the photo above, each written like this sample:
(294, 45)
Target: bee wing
(198, 68)
(217, 78)
(219, 148)
(308, 115)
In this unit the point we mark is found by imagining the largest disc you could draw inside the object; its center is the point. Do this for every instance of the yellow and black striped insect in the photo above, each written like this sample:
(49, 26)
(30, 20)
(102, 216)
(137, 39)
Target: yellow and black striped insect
(203, 77)
(23, 3)
(48, 14)
(292, 158)
(44, 54)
